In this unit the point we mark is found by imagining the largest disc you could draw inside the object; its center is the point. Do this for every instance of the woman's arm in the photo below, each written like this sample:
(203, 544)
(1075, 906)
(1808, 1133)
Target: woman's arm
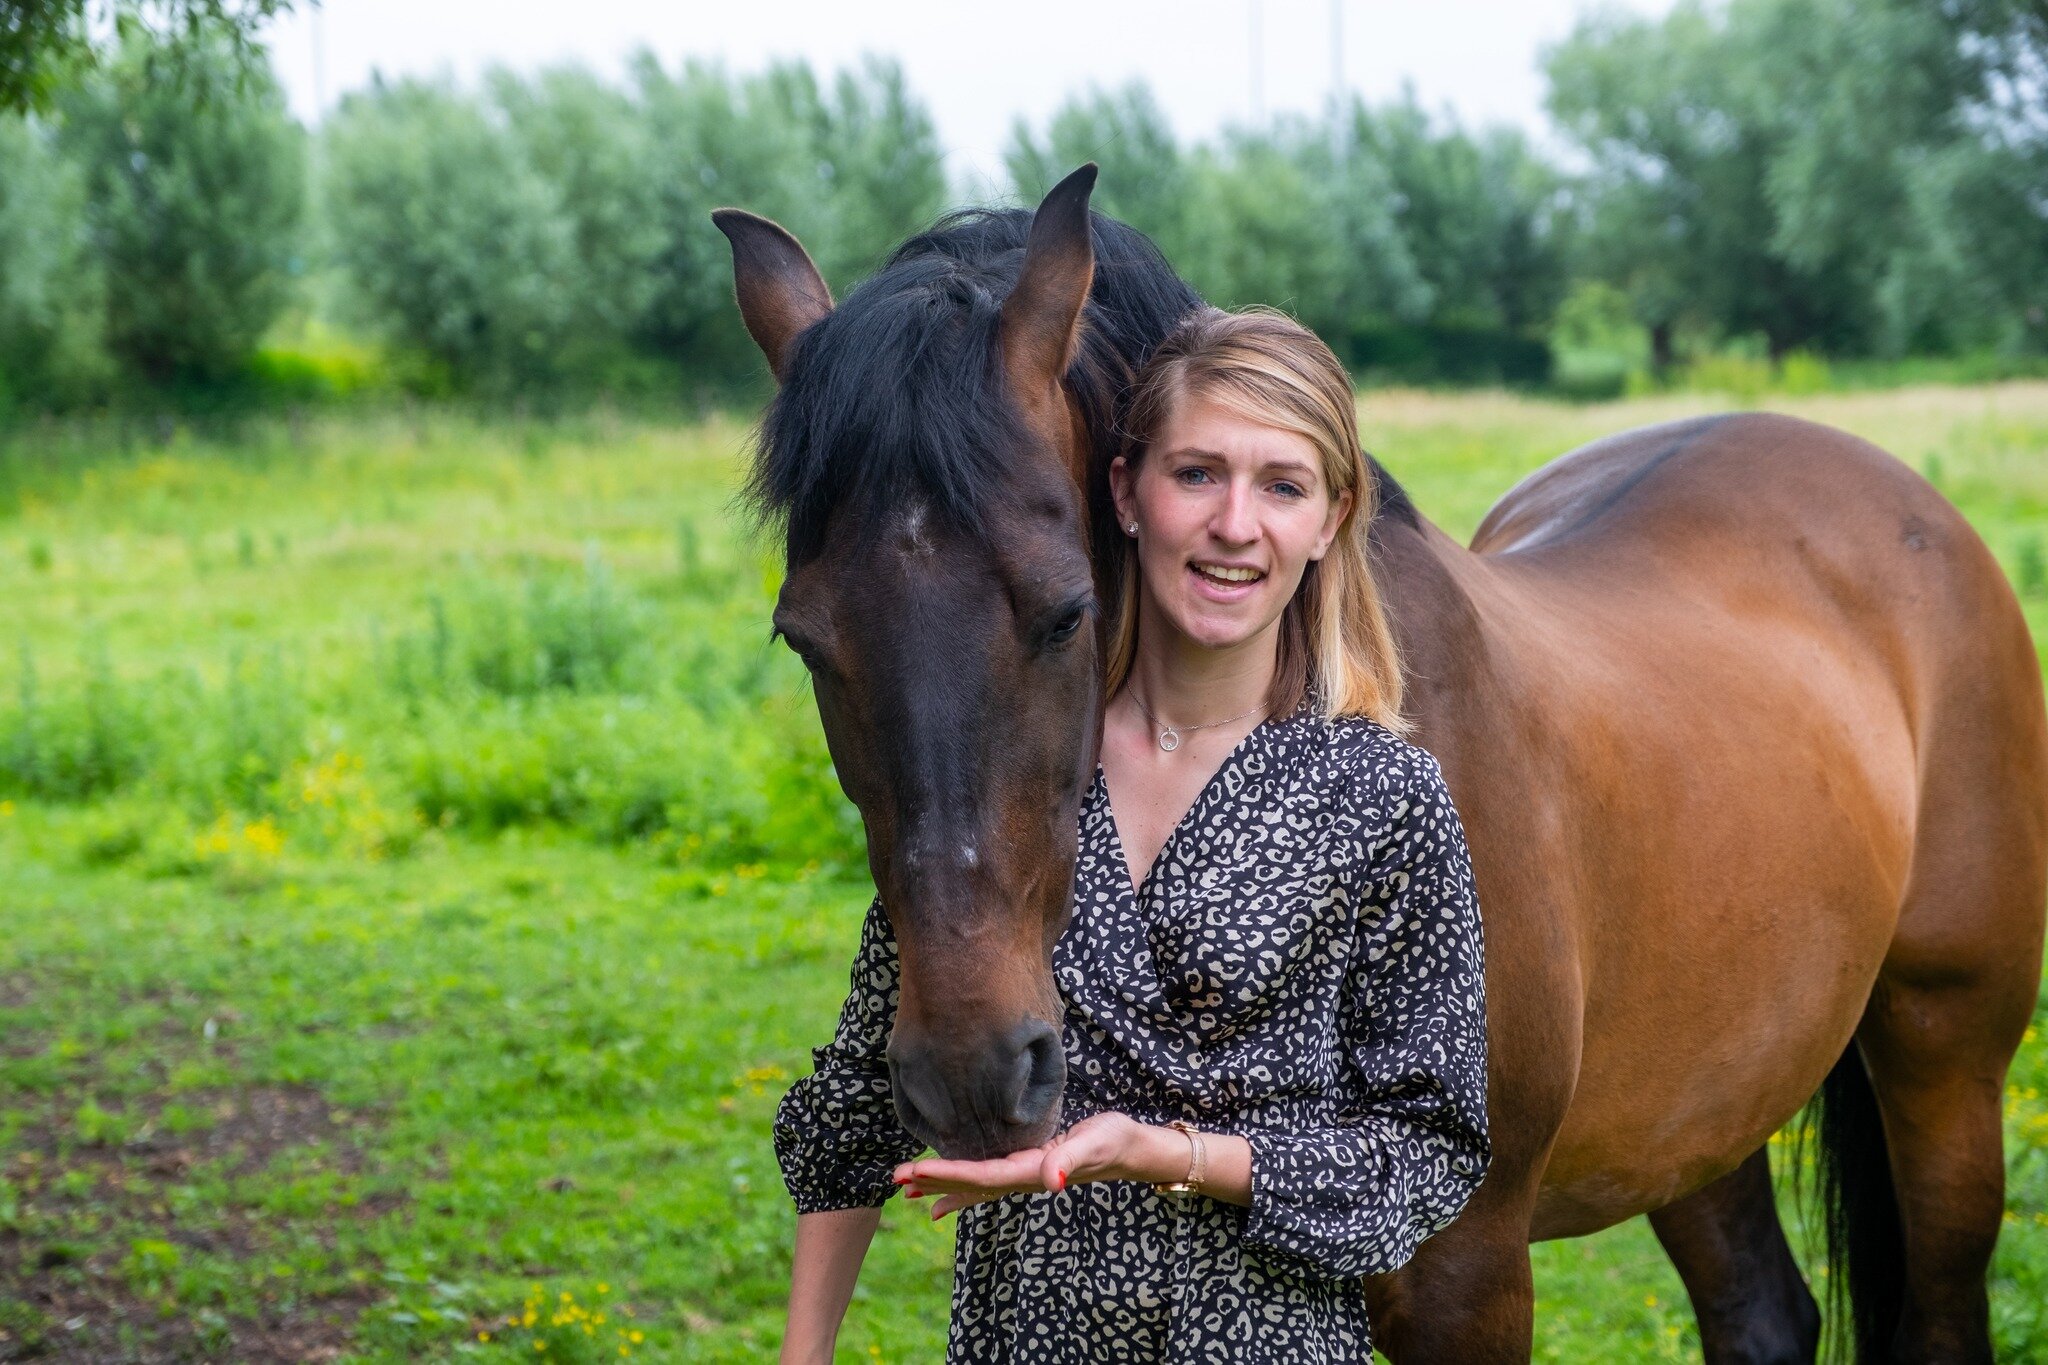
(837, 1138)
(829, 1249)
(1107, 1146)
(1356, 1196)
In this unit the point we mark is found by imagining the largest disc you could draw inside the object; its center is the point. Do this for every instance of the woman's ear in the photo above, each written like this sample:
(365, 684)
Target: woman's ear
(1120, 479)
(1340, 507)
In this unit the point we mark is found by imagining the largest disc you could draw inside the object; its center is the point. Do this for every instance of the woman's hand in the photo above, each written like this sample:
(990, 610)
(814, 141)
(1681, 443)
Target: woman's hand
(1107, 1146)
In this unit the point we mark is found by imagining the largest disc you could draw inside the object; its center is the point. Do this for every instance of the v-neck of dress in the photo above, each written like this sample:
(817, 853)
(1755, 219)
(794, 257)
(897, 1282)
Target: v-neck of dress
(1202, 798)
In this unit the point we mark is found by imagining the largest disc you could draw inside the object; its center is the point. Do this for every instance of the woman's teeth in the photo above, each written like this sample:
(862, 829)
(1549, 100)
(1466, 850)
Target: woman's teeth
(1227, 575)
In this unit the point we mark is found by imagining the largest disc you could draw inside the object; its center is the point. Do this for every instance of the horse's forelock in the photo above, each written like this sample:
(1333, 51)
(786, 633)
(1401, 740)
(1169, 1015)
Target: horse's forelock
(896, 393)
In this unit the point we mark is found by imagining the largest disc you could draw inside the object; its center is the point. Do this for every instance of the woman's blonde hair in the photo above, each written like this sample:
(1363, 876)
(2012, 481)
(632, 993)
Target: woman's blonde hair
(1268, 368)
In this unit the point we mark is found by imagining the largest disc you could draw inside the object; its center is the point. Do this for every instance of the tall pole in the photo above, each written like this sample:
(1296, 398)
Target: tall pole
(316, 144)
(1337, 101)
(1337, 50)
(1258, 60)
(319, 64)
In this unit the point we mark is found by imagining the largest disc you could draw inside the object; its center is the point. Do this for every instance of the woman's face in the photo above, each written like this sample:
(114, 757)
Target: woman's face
(1229, 514)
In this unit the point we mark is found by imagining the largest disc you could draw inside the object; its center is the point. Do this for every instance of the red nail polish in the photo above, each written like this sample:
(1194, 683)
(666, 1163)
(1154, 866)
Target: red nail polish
(1059, 1180)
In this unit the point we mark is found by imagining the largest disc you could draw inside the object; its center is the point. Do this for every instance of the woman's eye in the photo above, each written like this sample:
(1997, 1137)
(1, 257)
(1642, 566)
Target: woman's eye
(1196, 470)
(1290, 490)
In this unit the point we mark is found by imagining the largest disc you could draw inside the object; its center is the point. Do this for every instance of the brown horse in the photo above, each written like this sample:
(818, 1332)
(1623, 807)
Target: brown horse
(1742, 719)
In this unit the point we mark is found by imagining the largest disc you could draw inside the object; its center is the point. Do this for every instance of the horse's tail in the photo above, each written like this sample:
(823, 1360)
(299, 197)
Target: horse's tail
(1859, 1211)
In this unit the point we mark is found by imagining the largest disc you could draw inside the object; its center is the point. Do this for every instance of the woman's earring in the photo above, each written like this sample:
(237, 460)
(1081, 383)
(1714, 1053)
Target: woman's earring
(1133, 528)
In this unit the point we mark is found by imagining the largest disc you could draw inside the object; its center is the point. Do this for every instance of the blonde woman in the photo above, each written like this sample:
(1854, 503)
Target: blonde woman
(1274, 983)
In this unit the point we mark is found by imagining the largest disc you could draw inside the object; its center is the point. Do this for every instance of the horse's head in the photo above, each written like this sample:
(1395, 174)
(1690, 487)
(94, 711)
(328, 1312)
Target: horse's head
(924, 453)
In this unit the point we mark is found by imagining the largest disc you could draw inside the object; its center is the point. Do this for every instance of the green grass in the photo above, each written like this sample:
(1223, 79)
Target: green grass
(419, 879)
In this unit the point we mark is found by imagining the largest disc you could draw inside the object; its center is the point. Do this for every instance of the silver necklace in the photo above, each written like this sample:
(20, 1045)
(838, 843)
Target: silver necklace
(1169, 735)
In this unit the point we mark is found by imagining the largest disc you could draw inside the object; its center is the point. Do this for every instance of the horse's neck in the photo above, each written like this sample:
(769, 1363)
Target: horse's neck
(1439, 632)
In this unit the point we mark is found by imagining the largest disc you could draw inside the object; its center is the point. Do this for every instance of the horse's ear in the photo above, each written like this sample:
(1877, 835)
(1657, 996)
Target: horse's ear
(1041, 323)
(780, 292)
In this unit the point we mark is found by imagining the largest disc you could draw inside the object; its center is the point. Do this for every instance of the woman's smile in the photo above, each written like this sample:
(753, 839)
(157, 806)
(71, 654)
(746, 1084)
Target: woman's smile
(1225, 583)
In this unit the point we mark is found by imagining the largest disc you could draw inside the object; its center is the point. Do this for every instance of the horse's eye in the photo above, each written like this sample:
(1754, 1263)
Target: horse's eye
(1063, 629)
(800, 647)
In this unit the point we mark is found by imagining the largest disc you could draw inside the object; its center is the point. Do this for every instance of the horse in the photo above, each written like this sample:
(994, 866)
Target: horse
(1741, 717)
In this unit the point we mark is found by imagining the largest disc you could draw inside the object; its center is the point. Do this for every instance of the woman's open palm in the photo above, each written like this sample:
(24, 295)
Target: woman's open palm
(1102, 1147)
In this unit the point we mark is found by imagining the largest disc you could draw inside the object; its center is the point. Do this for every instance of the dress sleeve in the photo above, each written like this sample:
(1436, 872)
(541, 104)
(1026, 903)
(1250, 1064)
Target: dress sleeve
(837, 1137)
(1408, 1147)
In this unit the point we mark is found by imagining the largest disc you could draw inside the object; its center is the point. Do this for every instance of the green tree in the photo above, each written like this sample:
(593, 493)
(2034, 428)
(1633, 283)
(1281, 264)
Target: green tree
(195, 190)
(717, 141)
(1906, 153)
(46, 45)
(1974, 271)
(1680, 214)
(850, 176)
(1476, 214)
(1850, 174)
(1288, 215)
(52, 295)
(454, 243)
(1145, 178)
(1265, 233)
(589, 142)
(887, 177)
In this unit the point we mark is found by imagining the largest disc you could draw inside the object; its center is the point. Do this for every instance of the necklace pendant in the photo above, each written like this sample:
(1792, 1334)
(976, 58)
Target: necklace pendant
(1169, 739)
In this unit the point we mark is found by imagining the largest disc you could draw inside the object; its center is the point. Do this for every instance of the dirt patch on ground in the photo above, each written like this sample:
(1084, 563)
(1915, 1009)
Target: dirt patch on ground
(108, 1208)
(85, 1328)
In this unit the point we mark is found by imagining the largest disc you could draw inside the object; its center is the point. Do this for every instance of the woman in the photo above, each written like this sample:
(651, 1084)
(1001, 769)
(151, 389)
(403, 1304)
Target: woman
(1275, 999)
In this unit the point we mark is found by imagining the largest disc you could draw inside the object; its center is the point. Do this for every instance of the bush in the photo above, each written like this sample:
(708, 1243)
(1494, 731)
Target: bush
(850, 175)
(1449, 355)
(740, 785)
(83, 742)
(556, 230)
(552, 633)
(547, 695)
(321, 368)
(1591, 376)
(52, 291)
(195, 181)
(454, 244)
(1744, 378)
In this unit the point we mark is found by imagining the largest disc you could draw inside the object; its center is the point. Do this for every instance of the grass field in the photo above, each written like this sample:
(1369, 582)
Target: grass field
(419, 879)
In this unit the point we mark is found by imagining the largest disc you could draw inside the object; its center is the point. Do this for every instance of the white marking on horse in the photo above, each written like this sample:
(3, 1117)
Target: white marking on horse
(913, 531)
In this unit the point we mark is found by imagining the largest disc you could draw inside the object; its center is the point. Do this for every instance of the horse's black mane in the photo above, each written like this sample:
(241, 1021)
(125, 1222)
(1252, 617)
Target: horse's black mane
(895, 393)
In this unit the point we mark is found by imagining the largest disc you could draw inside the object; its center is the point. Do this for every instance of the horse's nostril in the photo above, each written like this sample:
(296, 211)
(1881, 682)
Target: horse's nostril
(1041, 1068)
(973, 1103)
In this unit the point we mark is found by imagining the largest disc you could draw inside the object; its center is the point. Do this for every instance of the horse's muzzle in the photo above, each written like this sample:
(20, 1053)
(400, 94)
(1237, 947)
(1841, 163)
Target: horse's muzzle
(976, 1103)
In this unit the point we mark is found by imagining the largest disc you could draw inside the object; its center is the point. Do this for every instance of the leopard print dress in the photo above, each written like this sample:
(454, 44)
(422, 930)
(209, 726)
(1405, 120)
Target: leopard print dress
(1303, 967)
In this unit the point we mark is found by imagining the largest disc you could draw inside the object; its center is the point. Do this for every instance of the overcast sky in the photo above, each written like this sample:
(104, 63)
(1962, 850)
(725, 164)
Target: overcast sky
(979, 66)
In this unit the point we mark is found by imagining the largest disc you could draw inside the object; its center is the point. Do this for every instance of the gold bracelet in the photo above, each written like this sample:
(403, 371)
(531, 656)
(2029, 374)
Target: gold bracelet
(1197, 1161)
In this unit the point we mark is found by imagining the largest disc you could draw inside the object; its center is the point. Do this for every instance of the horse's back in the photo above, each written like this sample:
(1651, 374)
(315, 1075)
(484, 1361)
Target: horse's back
(1748, 470)
(1776, 521)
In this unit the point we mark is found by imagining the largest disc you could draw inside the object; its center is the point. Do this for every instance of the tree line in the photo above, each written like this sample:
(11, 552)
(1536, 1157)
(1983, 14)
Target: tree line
(1846, 177)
